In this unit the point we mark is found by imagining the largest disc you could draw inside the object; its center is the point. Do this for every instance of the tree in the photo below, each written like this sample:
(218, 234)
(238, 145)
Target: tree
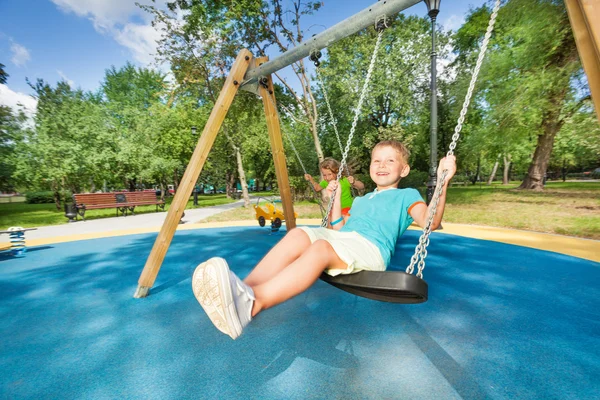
(3, 74)
(130, 93)
(213, 31)
(531, 85)
(199, 63)
(65, 150)
(577, 145)
(397, 101)
(11, 137)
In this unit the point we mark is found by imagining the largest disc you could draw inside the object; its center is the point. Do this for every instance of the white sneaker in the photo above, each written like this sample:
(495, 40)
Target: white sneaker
(212, 288)
(243, 296)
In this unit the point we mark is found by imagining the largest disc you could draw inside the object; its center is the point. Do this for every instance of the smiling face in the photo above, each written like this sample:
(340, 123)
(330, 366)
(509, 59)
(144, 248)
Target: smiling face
(387, 167)
(328, 174)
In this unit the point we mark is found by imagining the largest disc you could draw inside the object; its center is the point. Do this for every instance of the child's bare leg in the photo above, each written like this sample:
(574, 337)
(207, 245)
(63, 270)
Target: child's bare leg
(297, 277)
(283, 254)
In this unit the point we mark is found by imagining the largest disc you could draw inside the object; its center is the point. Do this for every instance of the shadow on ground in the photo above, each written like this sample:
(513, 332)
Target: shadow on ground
(501, 322)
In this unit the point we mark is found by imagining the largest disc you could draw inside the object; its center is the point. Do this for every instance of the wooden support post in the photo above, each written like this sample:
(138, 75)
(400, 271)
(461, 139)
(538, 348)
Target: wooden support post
(585, 22)
(277, 148)
(192, 172)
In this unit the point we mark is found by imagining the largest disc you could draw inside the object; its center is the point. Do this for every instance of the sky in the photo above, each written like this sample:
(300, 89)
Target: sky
(77, 40)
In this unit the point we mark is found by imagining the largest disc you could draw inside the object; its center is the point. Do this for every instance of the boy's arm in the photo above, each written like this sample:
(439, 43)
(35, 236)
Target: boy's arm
(420, 212)
(335, 217)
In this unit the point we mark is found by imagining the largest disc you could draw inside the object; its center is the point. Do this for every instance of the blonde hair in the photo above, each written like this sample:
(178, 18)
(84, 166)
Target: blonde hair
(396, 145)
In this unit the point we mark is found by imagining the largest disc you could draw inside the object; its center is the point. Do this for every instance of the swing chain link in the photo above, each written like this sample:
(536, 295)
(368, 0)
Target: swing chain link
(421, 250)
(293, 147)
(484, 45)
(333, 120)
(354, 122)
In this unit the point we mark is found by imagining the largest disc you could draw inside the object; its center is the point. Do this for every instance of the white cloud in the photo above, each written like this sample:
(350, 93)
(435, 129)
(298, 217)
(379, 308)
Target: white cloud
(64, 78)
(140, 40)
(103, 13)
(114, 17)
(17, 101)
(453, 22)
(20, 55)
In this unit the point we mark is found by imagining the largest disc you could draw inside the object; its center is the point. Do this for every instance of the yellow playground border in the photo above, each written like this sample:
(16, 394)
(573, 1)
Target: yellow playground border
(583, 248)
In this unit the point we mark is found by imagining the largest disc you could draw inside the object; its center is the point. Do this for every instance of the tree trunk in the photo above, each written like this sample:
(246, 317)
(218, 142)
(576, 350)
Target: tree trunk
(551, 124)
(242, 174)
(162, 190)
(240, 170)
(230, 185)
(56, 195)
(478, 172)
(315, 134)
(493, 174)
(175, 180)
(505, 176)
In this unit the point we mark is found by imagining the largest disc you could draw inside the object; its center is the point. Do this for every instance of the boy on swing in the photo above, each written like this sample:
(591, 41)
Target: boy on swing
(365, 241)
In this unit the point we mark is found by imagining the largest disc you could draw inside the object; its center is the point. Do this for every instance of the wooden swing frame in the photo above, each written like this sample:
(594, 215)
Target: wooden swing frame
(246, 71)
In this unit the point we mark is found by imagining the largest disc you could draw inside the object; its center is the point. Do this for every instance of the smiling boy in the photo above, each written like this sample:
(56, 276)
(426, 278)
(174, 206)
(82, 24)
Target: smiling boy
(365, 241)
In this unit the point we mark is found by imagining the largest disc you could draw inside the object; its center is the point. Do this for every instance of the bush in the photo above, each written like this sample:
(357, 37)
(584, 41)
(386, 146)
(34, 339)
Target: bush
(46, 197)
(301, 189)
(39, 197)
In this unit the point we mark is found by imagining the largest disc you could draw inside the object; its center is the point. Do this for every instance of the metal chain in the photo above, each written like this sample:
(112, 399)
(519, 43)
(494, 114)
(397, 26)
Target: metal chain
(333, 119)
(295, 152)
(354, 122)
(463, 112)
(421, 250)
(291, 115)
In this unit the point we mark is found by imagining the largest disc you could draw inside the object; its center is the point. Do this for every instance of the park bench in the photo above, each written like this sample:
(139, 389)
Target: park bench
(121, 202)
(134, 199)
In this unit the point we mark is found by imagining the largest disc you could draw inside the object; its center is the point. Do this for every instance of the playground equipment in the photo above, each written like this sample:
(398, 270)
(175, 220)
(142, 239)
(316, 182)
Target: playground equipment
(17, 239)
(254, 75)
(272, 213)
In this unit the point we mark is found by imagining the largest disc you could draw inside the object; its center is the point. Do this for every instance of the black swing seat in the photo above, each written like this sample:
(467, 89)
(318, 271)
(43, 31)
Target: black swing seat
(389, 286)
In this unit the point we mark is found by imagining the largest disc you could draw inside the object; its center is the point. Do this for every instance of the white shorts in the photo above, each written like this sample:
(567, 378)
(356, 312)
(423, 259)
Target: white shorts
(353, 249)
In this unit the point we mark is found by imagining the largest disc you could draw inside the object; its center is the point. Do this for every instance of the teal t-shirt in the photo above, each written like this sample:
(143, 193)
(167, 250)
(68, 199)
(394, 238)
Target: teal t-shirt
(346, 196)
(381, 217)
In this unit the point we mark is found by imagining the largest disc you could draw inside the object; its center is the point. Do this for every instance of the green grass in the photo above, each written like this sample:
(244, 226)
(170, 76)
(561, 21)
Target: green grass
(562, 207)
(264, 194)
(567, 208)
(34, 215)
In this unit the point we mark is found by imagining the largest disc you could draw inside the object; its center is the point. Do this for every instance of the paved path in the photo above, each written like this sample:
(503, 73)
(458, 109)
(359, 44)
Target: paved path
(152, 222)
(140, 221)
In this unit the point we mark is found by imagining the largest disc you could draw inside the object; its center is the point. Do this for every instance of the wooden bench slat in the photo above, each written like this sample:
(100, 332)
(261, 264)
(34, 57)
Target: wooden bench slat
(122, 201)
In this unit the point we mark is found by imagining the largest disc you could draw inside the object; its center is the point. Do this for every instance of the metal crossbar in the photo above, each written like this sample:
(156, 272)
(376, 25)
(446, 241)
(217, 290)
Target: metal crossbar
(359, 21)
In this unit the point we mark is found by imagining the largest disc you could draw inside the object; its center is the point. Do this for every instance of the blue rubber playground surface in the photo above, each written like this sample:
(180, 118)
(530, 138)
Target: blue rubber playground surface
(502, 322)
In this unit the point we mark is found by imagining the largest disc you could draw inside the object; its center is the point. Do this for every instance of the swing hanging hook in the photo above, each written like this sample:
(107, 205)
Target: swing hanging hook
(264, 82)
(381, 23)
(315, 56)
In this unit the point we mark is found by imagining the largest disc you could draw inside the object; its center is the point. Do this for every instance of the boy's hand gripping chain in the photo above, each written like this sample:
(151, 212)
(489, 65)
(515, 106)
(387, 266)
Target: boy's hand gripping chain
(421, 249)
